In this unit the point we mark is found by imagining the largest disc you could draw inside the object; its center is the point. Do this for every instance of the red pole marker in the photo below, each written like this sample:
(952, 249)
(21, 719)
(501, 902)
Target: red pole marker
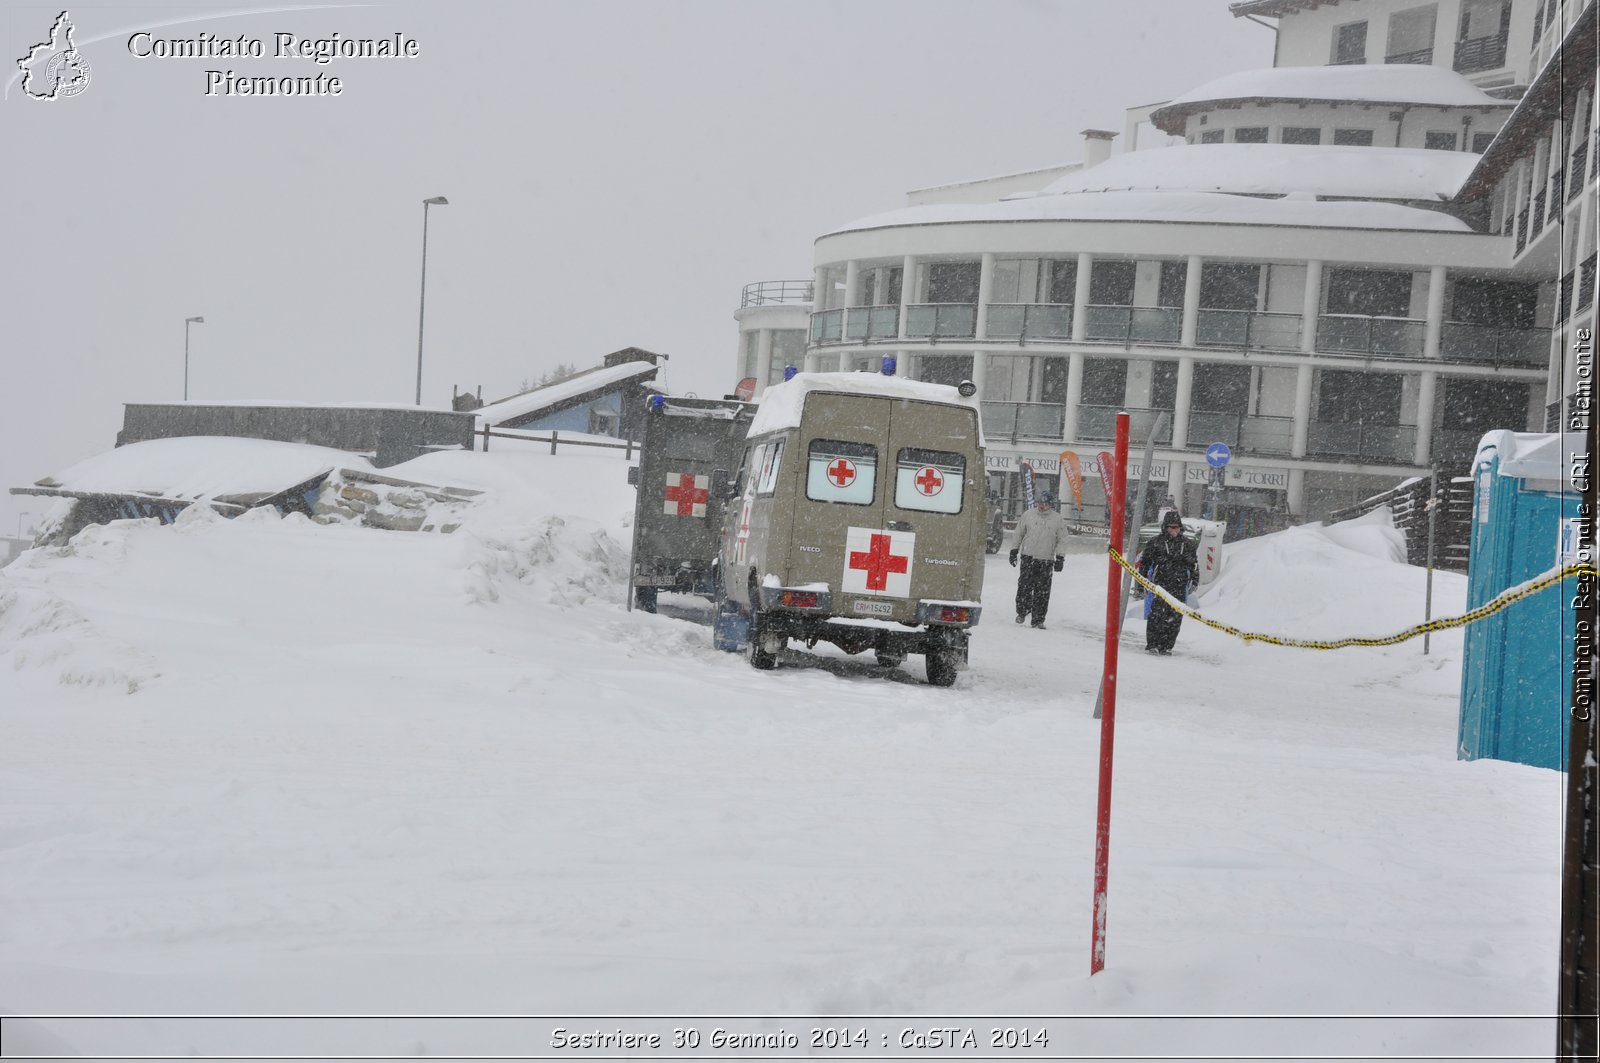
(1115, 499)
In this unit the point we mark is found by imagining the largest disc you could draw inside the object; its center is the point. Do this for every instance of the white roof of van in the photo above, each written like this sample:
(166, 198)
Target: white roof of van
(782, 404)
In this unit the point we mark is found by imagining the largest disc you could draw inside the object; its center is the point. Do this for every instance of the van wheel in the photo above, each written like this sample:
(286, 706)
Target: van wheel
(764, 645)
(941, 667)
(645, 598)
(891, 658)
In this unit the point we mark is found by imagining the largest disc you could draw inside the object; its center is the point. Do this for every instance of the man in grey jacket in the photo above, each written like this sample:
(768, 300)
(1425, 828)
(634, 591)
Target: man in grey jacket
(1041, 543)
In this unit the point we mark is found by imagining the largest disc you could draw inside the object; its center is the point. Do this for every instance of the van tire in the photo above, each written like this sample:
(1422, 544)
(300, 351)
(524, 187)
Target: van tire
(941, 667)
(761, 658)
(645, 598)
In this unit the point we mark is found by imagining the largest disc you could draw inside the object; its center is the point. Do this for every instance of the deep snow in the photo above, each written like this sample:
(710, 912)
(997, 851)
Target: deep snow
(268, 766)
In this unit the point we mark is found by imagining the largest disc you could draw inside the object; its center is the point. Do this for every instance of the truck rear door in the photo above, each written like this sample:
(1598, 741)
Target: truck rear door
(840, 503)
(934, 491)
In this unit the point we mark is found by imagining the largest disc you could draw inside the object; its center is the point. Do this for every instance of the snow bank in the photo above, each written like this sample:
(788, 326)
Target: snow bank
(187, 468)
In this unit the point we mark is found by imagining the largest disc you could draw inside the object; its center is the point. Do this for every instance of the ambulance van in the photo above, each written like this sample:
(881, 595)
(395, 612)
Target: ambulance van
(857, 517)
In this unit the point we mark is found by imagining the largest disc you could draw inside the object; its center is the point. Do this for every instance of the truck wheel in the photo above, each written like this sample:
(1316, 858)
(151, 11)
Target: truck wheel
(645, 598)
(764, 646)
(941, 667)
(891, 658)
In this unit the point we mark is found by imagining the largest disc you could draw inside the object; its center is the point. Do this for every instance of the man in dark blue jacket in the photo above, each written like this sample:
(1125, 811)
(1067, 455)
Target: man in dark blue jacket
(1170, 562)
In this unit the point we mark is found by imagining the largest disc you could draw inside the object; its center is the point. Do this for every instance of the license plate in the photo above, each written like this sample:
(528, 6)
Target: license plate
(875, 608)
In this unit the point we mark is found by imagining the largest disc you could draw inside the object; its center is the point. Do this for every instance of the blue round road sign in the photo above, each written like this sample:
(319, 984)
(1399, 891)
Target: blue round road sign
(1217, 455)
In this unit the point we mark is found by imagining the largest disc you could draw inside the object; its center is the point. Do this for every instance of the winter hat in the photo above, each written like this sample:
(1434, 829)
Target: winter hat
(1172, 520)
(1047, 498)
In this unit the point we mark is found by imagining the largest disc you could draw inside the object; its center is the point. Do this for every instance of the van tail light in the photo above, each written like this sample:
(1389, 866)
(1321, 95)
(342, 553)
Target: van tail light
(951, 614)
(800, 599)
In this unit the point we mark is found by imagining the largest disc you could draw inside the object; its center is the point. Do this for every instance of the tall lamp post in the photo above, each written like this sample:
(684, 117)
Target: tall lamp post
(186, 323)
(422, 299)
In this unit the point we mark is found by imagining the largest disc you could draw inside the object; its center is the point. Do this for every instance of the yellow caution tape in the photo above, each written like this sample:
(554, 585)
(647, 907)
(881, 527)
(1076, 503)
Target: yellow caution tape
(1504, 599)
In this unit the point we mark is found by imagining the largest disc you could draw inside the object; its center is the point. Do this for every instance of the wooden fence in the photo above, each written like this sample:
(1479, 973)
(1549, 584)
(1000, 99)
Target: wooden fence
(1409, 503)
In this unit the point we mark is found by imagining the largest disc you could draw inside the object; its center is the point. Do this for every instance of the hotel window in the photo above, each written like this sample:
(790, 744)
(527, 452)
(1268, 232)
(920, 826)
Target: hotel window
(1302, 135)
(1211, 136)
(1349, 44)
(1411, 35)
(1255, 134)
(1439, 140)
(1361, 138)
(1481, 142)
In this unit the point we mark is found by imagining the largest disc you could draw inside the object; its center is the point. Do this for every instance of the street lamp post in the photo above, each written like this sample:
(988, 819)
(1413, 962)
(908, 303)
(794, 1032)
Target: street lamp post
(186, 323)
(422, 299)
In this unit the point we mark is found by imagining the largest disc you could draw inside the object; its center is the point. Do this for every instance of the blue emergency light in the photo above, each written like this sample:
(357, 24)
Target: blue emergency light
(656, 402)
(789, 371)
(888, 365)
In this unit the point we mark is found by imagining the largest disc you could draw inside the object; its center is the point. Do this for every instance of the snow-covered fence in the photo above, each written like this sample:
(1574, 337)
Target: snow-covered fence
(554, 439)
(1409, 505)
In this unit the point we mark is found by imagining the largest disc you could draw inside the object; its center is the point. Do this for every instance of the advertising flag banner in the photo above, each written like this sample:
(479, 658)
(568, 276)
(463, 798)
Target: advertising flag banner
(1027, 486)
(1074, 476)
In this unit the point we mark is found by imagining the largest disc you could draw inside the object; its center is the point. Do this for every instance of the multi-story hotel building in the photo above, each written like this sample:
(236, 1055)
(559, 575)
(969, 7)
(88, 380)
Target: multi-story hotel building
(1323, 273)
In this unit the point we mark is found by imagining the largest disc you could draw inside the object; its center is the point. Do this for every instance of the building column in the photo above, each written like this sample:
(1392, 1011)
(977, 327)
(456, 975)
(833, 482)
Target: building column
(1433, 328)
(1191, 306)
(820, 289)
(908, 286)
(1427, 391)
(1074, 394)
(1310, 305)
(1080, 302)
(1302, 412)
(985, 292)
(1180, 403)
(763, 359)
(852, 296)
(1295, 496)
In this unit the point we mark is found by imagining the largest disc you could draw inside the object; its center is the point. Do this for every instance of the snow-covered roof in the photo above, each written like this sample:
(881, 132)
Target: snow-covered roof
(186, 468)
(292, 404)
(782, 404)
(561, 391)
(1389, 83)
(1277, 169)
(1208, 208)
(1532, 455)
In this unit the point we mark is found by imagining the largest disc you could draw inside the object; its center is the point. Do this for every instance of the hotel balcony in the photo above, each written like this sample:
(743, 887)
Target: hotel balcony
(1480, 53)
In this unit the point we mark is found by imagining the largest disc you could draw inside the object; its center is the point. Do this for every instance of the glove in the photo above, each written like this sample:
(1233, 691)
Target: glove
(1061, 562)
(1013, 559)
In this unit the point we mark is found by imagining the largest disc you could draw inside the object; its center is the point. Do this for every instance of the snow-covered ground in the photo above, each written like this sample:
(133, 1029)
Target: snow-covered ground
(265, 766)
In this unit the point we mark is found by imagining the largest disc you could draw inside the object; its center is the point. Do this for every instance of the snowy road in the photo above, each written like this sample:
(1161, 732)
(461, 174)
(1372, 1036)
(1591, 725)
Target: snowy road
(268, 766)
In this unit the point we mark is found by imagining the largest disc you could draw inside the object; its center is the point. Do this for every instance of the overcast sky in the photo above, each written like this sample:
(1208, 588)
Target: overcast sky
(617, 172)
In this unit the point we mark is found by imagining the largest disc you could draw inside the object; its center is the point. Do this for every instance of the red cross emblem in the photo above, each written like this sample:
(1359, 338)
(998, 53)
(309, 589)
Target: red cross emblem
(929, 481)
(687, 498)
(842, 472)
(878, 562)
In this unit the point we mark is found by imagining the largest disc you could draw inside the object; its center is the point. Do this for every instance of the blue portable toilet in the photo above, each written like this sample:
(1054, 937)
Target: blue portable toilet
(1516, 667)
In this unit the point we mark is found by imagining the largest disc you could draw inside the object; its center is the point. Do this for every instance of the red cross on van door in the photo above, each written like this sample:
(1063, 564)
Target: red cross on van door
(878, 562)
(929, 481)
(841, 472)
(686, 495)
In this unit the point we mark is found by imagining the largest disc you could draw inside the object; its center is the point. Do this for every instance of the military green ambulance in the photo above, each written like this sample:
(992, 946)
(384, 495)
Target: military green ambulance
(688, 448)
(858, 517)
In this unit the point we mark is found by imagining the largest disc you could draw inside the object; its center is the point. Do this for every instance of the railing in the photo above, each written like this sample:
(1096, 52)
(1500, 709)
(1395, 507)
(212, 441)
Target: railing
(1386, 442)
(1030, 321)
(1100, 423)
(1555, 195)
(554, 438)
(1359, 334)
(1564, 295)
(1248, 328)
(1419, 56)
(1024, 420)
(827, 326)
(1522, 229)
(1538, 211)
(1480, 53)
(1463, 342)
(765, 293)
(1351, 60)
(1575, 173)
(1250, 435)
(868, 323)
(1586, 272)
(1552, 416)
(942, 320)
(1133, 324)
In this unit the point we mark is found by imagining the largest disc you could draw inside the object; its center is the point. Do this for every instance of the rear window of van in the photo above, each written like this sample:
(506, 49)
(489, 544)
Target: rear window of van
(841, 471)
(929, 481)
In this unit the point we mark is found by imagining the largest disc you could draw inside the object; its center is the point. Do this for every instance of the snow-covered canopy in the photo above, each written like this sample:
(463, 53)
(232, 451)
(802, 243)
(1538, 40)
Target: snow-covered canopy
(1198, 207)
(187, 468)
(1392, 83)
(550, 395)
(782, 404)
(1277, 169)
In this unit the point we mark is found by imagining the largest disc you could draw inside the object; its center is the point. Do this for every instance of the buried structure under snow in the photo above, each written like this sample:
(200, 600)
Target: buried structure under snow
(1516, 667)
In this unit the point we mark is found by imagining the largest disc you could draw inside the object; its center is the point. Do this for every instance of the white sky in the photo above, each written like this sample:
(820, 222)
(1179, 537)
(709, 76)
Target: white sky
(616, 173)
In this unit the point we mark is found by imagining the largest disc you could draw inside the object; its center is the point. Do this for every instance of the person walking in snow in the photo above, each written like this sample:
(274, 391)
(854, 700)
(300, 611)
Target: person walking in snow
(1170, 562)
(1041, 542)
